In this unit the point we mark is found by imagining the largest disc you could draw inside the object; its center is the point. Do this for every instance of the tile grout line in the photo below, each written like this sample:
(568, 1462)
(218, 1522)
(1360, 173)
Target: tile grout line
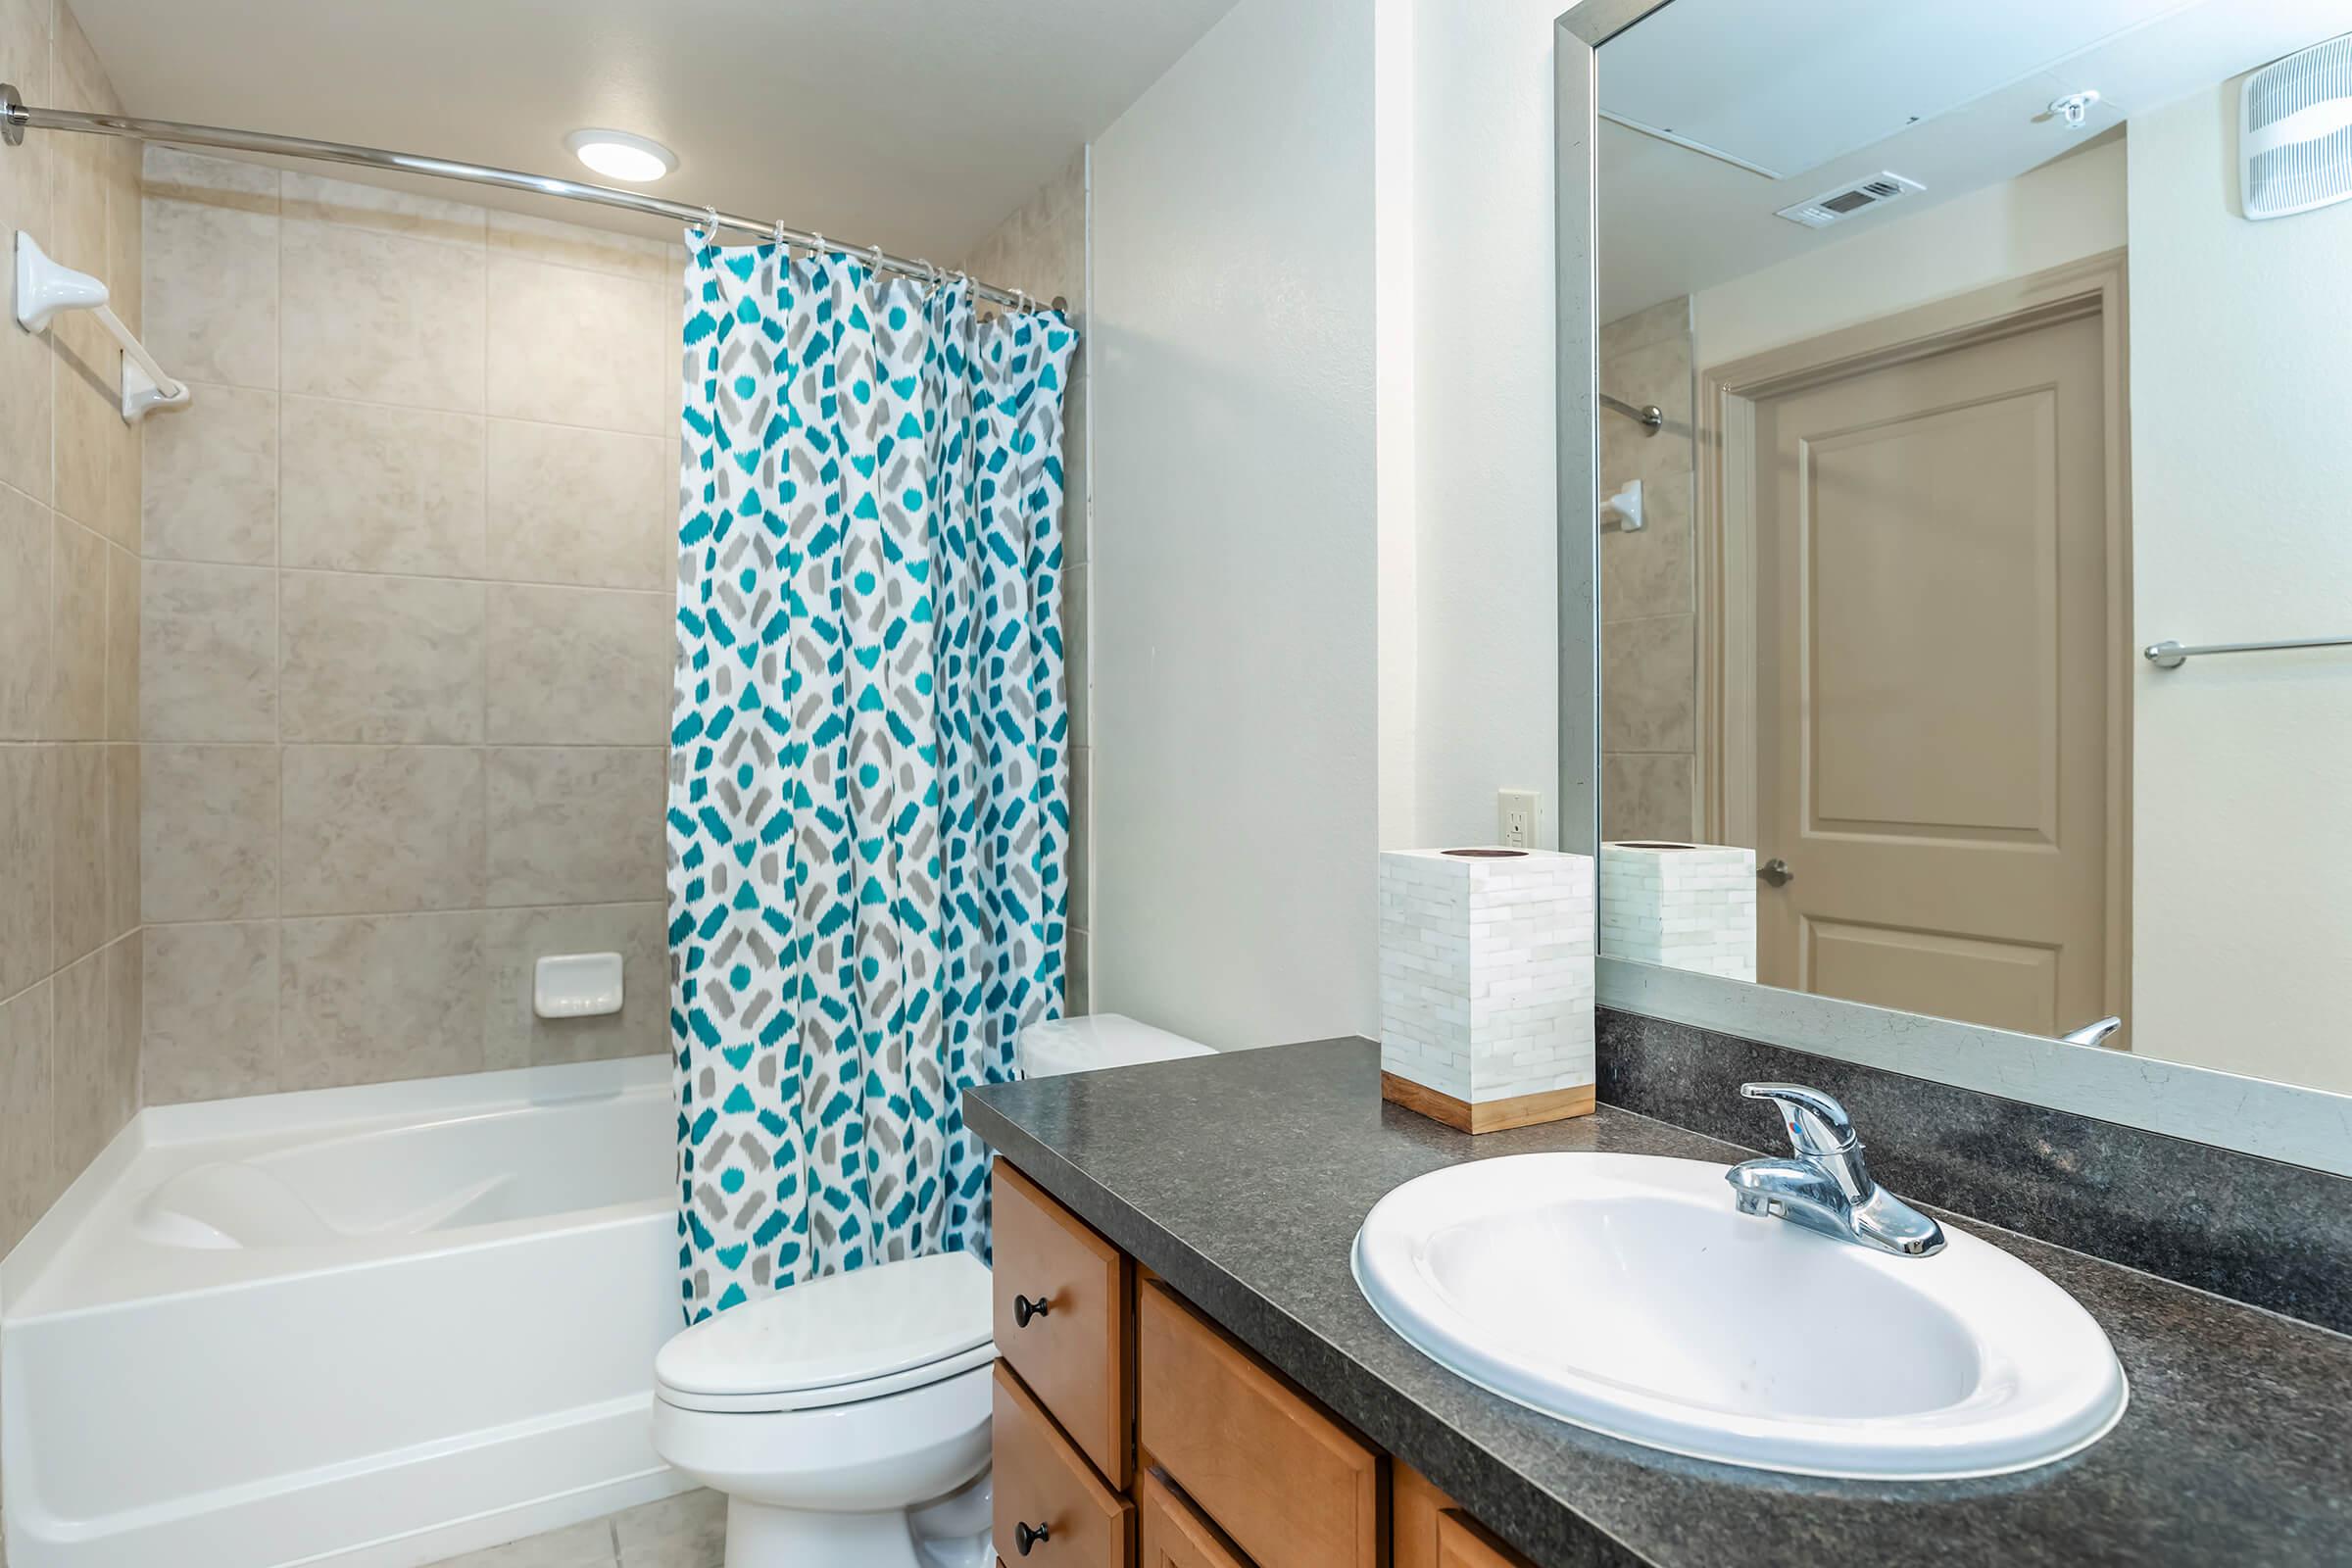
(483, 414)
(49, 702)
(405, 576)
(135, 909)
(50, 722)
(400, 746)
(277, 561)
(307, 211)
(592, 907)
(482, 649)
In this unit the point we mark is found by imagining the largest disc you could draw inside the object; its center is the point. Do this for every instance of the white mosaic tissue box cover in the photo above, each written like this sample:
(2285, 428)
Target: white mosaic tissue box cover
(1486, 971)
(1684, 906)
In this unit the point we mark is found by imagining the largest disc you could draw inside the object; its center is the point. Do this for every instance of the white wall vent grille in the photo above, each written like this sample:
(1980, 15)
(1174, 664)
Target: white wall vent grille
(1861, 196)
(2296, 131)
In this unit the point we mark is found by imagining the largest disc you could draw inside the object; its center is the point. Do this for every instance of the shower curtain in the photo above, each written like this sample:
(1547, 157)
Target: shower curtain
(869, 787)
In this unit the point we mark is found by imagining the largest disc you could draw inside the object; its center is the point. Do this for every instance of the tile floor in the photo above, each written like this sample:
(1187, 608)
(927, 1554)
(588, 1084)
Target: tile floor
(687, 1531)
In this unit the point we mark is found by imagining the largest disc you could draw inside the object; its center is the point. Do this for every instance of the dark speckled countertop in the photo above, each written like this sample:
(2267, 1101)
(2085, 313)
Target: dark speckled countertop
(1242, 1179)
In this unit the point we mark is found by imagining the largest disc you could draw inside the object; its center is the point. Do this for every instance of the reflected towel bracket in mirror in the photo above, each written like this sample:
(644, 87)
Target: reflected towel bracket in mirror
(2169, 654)
(1626, 507)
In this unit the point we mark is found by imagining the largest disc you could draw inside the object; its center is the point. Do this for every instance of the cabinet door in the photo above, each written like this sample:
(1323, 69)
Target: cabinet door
(1175, 1534)
(1290, 1486)
(1062, 1318)
(1415, 1505)
(1046, 1495)
(1462, 1543)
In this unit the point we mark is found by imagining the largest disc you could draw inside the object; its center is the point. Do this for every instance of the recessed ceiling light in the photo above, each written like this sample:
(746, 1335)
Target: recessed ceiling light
(618, 155)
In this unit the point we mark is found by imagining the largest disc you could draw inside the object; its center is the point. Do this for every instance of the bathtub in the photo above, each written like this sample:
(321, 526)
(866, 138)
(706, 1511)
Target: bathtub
(374, 1327)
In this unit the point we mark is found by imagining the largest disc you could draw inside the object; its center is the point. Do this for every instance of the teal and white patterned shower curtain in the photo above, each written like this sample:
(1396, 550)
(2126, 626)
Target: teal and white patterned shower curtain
(869, 782)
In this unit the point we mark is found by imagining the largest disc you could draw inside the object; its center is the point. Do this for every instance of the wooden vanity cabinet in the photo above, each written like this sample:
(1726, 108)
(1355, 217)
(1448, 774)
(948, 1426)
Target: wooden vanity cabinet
(1130, 1427)
(1063, 1321)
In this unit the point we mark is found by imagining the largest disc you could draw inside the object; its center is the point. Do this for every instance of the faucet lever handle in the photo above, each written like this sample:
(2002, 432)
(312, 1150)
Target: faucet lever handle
(1817, 1124)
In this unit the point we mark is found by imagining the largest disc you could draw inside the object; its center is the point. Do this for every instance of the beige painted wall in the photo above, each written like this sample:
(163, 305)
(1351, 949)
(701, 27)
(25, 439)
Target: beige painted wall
(1040, 248)
(2060, 212)
(1464, 209)
(69, 895)
(1232, 556)
(407, 630)
(2240, 470)
(1323, 556)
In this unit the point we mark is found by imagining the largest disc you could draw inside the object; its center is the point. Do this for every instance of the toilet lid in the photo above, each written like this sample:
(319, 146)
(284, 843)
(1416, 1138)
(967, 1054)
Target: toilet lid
(1097, 1040)
(843, 1328)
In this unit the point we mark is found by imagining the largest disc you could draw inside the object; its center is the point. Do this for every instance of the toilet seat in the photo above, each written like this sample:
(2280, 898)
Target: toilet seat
(776, 1400)
(835, 1340)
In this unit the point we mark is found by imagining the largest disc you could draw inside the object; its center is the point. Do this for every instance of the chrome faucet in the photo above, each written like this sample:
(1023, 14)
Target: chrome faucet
(1826, 1186)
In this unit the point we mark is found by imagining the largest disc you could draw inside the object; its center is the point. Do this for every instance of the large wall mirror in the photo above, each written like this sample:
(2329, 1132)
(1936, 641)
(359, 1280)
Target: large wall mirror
(1970, 399)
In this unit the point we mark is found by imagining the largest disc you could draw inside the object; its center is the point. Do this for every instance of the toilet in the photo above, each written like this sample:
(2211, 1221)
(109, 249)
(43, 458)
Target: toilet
(846, 1418)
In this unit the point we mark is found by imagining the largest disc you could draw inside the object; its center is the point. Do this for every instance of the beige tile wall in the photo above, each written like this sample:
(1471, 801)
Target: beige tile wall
(69, 583)
(1648, 584)
(407, 630)
(1040, 248)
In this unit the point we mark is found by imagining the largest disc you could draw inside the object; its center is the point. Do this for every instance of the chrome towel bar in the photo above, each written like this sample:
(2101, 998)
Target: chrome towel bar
(2172, 656)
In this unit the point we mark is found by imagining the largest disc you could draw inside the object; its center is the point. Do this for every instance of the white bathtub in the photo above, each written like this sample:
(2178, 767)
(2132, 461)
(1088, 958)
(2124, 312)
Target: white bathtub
(373, 1327)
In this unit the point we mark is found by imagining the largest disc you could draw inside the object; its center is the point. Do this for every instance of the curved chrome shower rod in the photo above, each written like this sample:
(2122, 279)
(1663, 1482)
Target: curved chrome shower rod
(17, 117)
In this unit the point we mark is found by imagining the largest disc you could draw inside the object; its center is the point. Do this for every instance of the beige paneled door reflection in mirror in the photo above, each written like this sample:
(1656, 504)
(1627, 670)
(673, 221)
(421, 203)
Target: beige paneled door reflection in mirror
(1931, 537)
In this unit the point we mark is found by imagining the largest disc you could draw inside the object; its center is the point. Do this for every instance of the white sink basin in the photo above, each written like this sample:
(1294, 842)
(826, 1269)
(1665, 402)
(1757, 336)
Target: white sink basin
(1627, 1295)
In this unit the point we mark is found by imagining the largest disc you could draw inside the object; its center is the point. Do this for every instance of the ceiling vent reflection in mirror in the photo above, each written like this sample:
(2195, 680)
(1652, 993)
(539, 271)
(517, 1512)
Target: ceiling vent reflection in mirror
(2296, 131)
(1860, 196)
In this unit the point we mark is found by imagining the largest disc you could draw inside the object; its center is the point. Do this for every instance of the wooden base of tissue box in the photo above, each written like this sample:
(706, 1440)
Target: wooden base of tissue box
(1491, 1116)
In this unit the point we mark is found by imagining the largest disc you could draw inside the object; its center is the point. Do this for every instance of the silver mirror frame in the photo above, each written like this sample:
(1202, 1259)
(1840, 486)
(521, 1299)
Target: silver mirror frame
(2310, 1127)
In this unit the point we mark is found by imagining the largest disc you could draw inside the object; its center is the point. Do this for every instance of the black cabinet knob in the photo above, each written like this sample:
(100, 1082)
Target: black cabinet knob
(1024, 1537)
(1023, 1310)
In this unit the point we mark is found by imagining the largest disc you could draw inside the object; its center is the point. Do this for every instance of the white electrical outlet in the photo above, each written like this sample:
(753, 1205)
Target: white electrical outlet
(1515, 819)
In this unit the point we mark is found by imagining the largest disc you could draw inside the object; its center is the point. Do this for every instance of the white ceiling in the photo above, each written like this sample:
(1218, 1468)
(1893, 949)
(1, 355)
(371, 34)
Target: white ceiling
(1789, 87)
(1674, 221)
(915, 125)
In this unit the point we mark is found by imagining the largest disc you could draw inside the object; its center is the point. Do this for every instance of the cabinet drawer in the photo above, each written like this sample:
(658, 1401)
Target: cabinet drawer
(1072, 1356)
(1292, 1486)
(1042, 1484)
(1461, 1544)
(1175, 1535)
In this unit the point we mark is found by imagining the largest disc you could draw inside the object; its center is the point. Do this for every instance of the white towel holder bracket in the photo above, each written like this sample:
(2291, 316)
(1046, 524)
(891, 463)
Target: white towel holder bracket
(44, 289)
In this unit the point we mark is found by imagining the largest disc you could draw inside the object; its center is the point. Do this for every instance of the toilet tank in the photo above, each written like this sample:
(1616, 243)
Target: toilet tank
(1098, 1040)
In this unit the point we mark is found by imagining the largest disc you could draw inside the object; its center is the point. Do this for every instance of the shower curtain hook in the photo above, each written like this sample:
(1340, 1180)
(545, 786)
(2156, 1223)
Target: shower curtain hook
(776, 234)
(709, 225)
